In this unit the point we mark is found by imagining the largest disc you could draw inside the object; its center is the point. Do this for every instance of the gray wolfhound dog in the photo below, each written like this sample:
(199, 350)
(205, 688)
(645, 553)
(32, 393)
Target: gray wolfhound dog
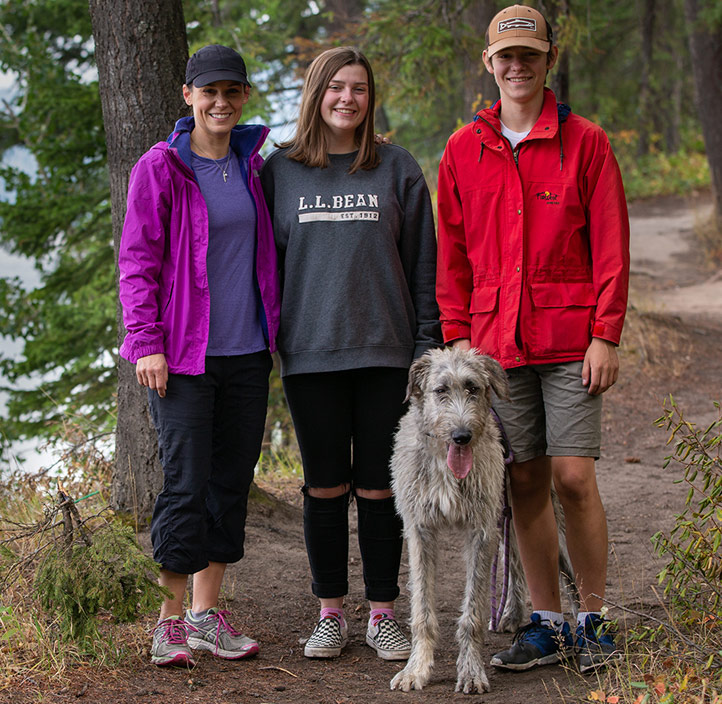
(448, 471)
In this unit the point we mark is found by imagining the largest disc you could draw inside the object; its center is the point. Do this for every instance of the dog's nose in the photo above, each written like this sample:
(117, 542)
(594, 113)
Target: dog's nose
(461, 437)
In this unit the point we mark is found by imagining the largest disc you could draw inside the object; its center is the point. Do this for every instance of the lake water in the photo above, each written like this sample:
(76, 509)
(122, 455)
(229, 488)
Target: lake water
(30, 451)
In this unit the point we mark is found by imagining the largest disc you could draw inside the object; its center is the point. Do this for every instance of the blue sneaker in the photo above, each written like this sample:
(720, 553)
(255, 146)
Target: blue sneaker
(594, 644)
(535, 644)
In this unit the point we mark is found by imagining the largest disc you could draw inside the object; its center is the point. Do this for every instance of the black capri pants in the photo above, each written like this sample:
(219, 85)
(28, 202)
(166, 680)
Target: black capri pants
(210, 428)
(345, 423)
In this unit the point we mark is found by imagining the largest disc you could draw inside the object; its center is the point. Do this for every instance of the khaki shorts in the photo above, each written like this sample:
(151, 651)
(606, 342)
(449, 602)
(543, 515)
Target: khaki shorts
(550, 412)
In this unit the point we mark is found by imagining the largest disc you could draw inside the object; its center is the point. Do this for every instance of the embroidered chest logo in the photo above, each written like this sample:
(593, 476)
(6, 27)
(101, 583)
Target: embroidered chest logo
(517, 23)
(350, 206)
(548, 197)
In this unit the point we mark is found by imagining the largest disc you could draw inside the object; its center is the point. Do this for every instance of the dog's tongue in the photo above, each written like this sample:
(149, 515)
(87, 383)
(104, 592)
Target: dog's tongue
(459, 460)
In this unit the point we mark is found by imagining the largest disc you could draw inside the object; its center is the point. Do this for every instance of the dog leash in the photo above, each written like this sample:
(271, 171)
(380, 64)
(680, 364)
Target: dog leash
(504, 528)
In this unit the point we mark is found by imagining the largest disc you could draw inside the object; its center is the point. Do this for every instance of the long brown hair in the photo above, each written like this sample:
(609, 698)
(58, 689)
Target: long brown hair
(309, 145)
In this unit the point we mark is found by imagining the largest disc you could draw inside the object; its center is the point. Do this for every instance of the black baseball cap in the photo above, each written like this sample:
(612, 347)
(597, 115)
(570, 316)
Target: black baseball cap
(215, 63)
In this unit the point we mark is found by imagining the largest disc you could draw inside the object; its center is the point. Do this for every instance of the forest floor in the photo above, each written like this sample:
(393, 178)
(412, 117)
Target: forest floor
(671, 345)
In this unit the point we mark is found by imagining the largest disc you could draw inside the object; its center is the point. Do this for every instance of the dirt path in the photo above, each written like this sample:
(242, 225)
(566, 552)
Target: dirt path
(671, 345)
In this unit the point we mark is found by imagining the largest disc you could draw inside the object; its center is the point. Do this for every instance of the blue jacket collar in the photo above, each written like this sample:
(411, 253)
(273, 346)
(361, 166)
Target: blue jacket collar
(246, 140)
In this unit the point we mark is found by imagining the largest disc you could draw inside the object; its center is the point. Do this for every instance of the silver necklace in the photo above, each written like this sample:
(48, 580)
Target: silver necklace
(222, 169)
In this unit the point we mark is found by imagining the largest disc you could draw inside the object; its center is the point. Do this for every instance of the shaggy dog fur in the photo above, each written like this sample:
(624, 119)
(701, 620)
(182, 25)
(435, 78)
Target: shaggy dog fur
(448, 470)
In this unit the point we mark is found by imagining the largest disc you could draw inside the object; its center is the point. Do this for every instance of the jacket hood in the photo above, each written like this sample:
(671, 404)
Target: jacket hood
(246, 140)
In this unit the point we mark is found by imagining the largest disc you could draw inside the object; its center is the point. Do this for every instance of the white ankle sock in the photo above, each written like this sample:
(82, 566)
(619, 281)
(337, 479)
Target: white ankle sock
(199, 615)
(582, 616)
(551, 618)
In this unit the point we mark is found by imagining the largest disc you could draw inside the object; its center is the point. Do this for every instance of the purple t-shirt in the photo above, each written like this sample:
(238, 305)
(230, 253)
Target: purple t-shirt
(235, 326)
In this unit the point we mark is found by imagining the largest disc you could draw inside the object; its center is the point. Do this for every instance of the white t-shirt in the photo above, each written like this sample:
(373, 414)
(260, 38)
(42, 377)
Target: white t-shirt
(513, 137)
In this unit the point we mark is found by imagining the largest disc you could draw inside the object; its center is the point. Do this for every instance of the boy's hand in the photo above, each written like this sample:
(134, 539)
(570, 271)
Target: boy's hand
(462, 343)
(601, 366)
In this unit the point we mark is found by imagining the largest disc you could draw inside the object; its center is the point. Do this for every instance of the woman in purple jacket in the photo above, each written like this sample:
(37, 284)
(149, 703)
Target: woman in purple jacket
(199, 290)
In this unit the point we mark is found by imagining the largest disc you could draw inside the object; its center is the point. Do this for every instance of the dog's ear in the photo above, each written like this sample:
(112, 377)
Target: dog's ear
(417, 376)
(497, 376)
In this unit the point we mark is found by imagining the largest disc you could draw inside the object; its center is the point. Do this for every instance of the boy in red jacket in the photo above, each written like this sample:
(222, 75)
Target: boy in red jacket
(533, 270)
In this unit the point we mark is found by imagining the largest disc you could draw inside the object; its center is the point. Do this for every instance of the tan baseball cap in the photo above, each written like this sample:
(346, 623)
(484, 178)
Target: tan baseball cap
(518, 25)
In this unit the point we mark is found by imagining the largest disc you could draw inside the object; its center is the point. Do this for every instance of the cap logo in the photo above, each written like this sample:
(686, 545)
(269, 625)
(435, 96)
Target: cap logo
(523, 23)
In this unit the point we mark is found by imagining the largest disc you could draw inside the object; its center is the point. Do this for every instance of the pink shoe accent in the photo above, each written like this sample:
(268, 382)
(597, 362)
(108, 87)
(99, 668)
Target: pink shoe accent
(179, 659)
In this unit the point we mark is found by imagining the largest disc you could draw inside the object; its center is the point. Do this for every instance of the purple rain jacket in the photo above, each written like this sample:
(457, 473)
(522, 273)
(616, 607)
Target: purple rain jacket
(163, 283)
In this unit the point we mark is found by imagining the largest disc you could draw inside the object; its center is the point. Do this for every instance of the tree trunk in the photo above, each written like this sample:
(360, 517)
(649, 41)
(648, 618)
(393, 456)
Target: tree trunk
(140, 51)
(672, 138)
(645, 87)
(555, 12)
(480, 89)
(705, 45)
(342, 16)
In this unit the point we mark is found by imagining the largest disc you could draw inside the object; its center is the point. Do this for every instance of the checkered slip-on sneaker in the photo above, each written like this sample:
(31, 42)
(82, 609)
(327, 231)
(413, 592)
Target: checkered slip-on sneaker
(387, 639)
(214, 633)
(328, 639)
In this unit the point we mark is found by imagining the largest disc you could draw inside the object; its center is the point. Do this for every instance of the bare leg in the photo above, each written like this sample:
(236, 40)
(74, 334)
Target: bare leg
(576, 484)
(207, 586)
(536, 531)
(176, 583)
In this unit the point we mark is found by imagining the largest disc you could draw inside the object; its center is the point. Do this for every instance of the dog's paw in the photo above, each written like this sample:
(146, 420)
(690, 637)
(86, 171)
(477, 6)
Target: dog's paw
(409, 678)
(473, 684)
(471, 676)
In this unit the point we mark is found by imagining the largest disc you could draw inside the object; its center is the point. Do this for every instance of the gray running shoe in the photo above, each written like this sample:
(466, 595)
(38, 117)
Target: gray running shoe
(388, 640)
(170, 643)
(328, 639)
(214, 633)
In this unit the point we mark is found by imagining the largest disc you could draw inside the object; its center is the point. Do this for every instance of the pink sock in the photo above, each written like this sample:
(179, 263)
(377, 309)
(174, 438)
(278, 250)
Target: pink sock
(333, 613)
(377, 614)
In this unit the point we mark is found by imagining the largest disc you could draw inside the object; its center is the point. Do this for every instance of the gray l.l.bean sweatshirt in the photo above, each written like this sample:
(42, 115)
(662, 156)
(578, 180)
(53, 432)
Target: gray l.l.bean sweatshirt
(357, 258)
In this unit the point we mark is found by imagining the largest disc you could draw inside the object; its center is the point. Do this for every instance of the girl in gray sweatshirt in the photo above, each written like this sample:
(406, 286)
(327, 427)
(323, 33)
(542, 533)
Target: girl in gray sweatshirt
(354, 231)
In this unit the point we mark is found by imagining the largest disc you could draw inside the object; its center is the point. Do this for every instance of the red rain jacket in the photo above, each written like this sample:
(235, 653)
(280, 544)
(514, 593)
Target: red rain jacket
(533, 256)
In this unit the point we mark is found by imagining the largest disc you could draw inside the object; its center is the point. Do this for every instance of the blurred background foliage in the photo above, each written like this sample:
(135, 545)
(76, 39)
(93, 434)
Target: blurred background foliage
(626, 66)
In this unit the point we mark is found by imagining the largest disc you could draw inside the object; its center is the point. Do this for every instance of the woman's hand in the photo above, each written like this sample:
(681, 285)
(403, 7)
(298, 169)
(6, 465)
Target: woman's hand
(152, 371)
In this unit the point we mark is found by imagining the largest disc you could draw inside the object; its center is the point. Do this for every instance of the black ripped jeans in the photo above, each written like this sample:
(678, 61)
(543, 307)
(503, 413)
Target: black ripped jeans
(345, 422)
